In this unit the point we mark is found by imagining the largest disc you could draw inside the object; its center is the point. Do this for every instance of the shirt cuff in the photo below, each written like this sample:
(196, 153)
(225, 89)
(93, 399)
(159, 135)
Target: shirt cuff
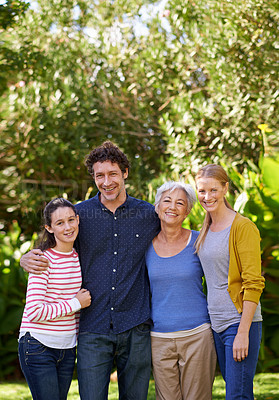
(76, 306)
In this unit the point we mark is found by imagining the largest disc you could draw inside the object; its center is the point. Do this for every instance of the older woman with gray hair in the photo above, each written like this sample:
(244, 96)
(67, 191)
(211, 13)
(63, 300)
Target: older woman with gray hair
(183, 353)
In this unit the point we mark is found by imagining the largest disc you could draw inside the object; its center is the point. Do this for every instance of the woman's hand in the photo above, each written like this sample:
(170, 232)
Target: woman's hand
(241, 340)
(240, 346)
(84, 297)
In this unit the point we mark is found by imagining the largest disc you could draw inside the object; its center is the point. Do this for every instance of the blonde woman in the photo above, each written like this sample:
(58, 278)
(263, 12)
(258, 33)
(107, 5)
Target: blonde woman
(229, 249)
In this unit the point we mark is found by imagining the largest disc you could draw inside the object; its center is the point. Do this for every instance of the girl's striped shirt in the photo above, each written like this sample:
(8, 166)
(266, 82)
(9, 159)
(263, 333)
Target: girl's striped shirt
(51, 308)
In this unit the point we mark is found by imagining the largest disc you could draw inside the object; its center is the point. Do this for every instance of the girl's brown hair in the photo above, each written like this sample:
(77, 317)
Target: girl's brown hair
(47, 240)
(216, 172)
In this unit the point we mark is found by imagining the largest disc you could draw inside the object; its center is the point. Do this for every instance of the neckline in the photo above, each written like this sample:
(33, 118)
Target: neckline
(67, 253)
(221, 230)
(187, 244)
(122, 205)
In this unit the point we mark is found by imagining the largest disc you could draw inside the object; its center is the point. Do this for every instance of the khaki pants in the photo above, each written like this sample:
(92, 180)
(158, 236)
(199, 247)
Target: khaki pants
(184, 368)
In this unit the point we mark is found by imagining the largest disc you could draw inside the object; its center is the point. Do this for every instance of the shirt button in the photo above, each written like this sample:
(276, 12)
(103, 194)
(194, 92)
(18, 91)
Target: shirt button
(137, 235)
(112, 308)
(114, 270)
(115, 252)
(115, 234)
(115, 217)
(113, 288)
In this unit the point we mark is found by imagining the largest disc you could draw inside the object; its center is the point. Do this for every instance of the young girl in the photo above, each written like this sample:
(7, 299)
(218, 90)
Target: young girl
(50, 320)
(229, 249)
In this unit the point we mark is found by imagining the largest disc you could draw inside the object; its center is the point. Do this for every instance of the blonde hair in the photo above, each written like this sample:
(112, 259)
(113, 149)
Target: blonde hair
(216, 172)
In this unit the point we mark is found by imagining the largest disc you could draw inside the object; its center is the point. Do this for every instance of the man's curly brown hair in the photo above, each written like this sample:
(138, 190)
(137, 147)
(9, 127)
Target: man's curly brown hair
(108, 151)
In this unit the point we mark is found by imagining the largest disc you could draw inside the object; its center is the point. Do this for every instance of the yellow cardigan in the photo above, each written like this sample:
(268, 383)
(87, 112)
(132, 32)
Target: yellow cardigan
(244, 281)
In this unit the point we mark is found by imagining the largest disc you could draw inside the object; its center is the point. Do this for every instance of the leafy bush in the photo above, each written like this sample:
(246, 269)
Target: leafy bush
(263, 209)
(12, 294)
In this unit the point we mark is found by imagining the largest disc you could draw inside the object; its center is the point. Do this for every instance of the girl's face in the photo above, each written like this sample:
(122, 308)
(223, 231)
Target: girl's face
(211, 193)
(64, 226)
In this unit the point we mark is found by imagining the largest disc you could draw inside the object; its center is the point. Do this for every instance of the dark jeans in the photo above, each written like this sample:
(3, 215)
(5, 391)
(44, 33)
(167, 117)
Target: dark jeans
(238, 375)
(48, 371)
(95, 356)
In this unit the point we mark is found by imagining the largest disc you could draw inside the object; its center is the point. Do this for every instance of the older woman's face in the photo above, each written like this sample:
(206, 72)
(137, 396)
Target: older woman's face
(172, 208)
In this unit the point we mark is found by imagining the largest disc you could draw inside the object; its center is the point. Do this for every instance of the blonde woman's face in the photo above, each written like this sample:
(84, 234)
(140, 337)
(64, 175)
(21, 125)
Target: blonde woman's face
(211, 193)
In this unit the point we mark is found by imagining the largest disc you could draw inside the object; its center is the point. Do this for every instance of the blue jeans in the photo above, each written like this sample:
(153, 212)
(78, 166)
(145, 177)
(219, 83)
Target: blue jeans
(238, 375)
(132, 353)
(48, 371)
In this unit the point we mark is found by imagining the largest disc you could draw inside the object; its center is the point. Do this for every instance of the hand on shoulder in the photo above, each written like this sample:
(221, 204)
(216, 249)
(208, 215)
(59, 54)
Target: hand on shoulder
(33, 262)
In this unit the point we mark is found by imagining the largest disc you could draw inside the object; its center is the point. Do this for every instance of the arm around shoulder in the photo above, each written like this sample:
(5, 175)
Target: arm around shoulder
(34, 262)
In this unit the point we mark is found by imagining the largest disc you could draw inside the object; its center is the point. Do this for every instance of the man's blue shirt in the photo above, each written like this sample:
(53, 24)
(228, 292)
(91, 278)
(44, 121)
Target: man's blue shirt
(111, 249)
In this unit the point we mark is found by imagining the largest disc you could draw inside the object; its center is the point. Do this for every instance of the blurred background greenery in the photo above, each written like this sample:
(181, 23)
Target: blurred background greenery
(174, 84)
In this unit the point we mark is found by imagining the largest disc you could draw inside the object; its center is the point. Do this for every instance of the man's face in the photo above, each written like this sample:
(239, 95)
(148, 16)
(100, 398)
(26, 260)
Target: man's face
(110, 181)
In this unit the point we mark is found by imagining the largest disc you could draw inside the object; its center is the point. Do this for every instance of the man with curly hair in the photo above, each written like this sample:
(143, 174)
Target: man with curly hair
(114, 232)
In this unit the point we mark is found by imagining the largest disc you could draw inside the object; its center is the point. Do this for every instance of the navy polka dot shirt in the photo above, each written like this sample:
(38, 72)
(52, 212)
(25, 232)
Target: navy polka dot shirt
(111, 249)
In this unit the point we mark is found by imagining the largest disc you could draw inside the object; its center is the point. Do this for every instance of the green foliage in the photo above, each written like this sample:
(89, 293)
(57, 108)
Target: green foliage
(12, 295)
(62, 96)
(10, 12)
(229, 50)
(173, 87)
(263, 208)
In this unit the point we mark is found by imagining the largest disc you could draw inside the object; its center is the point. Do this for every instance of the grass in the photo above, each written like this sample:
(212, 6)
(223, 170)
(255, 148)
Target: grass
(266, 387)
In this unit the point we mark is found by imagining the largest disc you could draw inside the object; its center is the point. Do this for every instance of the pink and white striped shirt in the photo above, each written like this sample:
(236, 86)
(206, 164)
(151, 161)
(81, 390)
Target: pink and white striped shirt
(51, 309)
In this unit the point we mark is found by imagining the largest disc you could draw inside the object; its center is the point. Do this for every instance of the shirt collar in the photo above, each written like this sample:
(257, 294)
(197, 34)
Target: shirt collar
(127, 203)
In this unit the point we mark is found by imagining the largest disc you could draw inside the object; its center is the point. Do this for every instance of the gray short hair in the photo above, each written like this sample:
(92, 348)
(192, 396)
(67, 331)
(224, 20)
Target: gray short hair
(171, 186)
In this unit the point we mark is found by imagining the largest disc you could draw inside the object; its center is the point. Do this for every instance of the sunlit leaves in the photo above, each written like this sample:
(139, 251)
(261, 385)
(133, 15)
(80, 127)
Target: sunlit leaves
(173, 83)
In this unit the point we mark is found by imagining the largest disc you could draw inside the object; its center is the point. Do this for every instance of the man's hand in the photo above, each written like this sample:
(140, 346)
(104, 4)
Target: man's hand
(34, 262)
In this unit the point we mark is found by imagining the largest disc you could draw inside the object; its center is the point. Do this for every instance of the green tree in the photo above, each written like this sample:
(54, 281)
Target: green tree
(64, 96)
(216, 67)
(193, 84)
